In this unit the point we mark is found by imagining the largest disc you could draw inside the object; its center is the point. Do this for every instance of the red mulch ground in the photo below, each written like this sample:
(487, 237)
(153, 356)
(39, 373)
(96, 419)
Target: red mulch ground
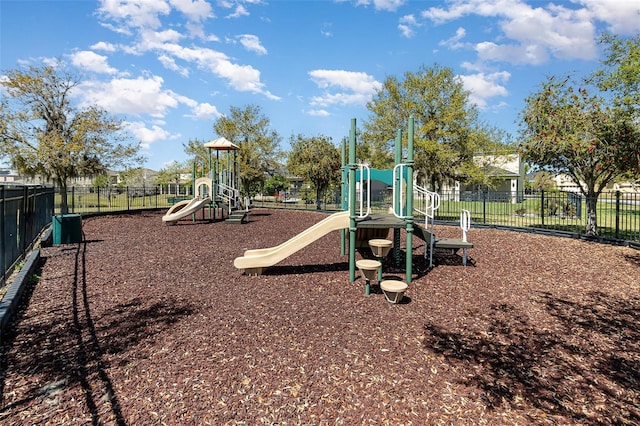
(151, 324)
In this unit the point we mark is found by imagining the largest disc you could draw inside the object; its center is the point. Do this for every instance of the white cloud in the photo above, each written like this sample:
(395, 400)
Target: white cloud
(239, 12)
(512, 53)
(91, 61)
(533, 34)
(140, 96)
(407, 25)
(388, 5)
(170, 64)
(483, 86)
(195, 10)
(252, 43)
(134, 13)
(621, 16)
(145, 135)
(454, 42)
(206, 111)
(243, 78)
(104, 46)
(353, 87)
(318, 113)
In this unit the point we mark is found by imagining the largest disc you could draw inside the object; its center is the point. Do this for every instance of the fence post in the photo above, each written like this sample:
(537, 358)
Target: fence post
(617, 214)
(3, 219)
(98, 190)
(128, 201)
(542, 207)
(484, 206)
(73, 199)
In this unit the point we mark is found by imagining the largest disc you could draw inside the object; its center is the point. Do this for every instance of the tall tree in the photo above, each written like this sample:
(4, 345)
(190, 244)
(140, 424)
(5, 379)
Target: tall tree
(316, 160)
(620, 73)
(171, 174)
(566, 129)
(447, 130)
(44, 133)
(199, 154)
(259, 152)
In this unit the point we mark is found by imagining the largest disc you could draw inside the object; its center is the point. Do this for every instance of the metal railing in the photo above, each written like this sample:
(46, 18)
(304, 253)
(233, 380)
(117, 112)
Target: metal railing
(25, 210)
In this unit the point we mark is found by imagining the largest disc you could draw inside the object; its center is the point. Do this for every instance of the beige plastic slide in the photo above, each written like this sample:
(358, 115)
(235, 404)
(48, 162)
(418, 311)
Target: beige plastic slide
(185, 208)
(254, 261)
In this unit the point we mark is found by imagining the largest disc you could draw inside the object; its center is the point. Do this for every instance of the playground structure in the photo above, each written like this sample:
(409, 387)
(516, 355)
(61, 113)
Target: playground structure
(363, 226)
(218, 191)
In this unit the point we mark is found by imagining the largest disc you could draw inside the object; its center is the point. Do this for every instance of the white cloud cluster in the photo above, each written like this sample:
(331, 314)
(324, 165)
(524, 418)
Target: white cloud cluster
(252, 43)
(483, 86)
(351, 88)
(530, 33)
(142, 22)
(387, 5)
(91, 61)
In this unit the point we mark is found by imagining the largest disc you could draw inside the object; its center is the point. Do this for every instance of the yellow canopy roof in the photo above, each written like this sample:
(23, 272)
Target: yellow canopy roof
(221, 144)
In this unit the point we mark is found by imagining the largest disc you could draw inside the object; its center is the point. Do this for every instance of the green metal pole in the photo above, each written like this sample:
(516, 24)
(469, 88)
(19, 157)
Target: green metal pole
(396, 198)
(193, 188)
(352, 201)
(212, 210)
(343, 194)
(409, 249)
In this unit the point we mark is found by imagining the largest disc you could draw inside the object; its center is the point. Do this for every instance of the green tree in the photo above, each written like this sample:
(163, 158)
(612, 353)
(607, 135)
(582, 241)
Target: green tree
(316, 160)
(275, 183)
(447, 131)
(198, 152)
(170, 174)
(44, 133)
(102, 182)
(543, 181)
(566, 129)
(259, 152)
(620, 74)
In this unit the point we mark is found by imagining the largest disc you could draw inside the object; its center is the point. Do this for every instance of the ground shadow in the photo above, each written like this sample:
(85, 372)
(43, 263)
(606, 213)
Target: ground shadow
(585, 369)
(306, 269)
(634, 258)
(72, 351)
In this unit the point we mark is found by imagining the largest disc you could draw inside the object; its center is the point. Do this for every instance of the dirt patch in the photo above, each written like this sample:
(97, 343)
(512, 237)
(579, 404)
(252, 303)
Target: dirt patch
(151, 324)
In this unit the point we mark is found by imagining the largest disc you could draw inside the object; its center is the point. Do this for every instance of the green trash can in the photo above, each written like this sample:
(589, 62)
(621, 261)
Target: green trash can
(67, 229)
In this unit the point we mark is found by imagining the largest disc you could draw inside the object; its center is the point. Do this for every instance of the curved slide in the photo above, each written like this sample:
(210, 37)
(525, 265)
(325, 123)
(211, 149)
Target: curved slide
(185, 208)
(254, 261)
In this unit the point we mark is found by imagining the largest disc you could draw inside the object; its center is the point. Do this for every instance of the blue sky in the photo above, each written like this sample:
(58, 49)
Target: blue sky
(169, 68)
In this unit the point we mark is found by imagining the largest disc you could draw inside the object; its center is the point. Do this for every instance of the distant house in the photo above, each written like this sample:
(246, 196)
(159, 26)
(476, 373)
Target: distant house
(147, 178)
(565, 183)
(8, 176)
(506, 172)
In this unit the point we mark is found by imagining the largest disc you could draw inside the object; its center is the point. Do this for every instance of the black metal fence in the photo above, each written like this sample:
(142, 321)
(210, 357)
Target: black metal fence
(25, 211)
(618, 213)
(83, 200)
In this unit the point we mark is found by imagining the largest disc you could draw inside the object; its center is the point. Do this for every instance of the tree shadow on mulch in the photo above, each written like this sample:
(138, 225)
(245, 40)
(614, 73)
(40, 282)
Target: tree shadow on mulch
(306, 269)
(583, 365)
(71, 350)
(634, 259)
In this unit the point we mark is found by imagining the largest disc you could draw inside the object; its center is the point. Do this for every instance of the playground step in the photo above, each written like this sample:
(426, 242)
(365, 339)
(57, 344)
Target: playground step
(238, 217)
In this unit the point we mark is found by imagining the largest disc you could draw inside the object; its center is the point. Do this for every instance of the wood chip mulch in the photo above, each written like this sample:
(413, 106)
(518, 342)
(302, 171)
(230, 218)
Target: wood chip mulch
(145, 324)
